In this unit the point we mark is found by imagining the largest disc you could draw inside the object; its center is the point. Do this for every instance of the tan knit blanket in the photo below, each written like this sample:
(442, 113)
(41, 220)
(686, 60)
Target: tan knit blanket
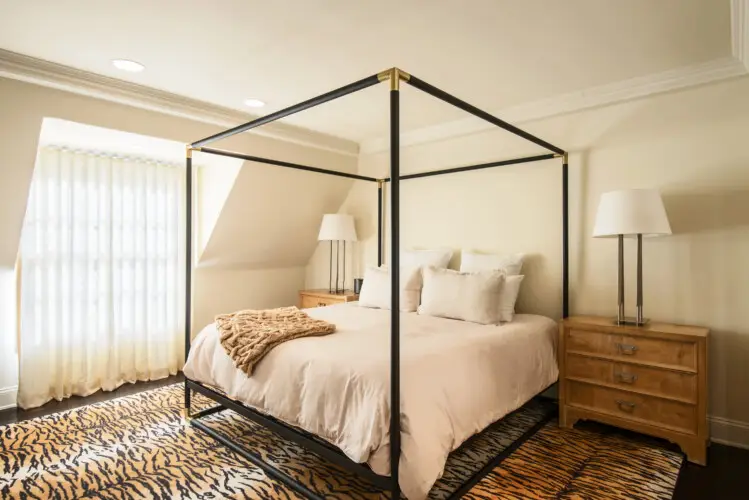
(247, 336)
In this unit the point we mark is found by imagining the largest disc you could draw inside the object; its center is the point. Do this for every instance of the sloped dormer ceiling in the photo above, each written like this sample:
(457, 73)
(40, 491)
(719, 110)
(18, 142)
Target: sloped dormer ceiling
(271, 217)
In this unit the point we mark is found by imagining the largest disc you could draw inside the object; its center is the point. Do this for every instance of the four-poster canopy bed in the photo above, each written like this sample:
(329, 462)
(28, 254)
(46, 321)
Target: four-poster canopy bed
(395, 76)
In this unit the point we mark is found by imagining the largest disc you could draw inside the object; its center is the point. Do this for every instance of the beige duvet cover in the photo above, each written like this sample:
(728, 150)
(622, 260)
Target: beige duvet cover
(456, 379)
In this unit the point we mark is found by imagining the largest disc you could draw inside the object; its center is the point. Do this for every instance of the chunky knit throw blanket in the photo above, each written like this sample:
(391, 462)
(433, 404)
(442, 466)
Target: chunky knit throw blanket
(247, 336)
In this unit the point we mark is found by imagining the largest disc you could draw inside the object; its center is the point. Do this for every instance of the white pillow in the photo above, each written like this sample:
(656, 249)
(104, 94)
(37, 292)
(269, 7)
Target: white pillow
(375, 291)
(510, 264)
(471, 262)
(509, 296)
(439, 257)
(468, 296)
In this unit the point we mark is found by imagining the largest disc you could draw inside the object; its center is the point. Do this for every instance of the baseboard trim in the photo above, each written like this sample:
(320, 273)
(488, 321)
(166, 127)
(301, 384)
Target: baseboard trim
(8, 397)
(729, 432)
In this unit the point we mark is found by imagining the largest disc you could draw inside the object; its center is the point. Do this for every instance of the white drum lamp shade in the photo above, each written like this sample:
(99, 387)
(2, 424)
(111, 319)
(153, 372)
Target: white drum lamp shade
(337, 227)
(631, 212)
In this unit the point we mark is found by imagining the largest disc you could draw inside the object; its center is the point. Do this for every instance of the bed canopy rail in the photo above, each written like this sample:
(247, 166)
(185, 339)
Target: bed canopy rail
(309, 103)
(394, 76)
(221, 152)
(459, 103)
(479, 166)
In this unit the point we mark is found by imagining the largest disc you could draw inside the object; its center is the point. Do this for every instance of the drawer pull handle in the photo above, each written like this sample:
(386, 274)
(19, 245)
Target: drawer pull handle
(625, 405)
(626, 378)
(321, 304)
(626, 349)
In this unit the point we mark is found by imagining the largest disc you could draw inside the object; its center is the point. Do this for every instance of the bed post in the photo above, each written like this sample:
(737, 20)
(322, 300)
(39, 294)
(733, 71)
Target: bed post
(565, 239)
(395, 429)
(188, 266)
(379, 222)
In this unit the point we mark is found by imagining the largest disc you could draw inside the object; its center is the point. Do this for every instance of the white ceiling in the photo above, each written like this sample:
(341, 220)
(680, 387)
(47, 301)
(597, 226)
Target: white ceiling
(492, 53)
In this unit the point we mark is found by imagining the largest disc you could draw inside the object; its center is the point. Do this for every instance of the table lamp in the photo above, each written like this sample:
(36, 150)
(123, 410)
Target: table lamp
(337, 227)
(631, 212)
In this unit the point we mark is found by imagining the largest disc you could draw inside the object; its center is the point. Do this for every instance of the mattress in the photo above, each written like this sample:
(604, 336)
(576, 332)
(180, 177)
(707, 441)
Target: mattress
(456, 379)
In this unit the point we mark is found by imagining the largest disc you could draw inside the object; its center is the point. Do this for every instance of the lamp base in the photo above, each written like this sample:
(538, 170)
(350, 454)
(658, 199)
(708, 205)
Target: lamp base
(630, 320)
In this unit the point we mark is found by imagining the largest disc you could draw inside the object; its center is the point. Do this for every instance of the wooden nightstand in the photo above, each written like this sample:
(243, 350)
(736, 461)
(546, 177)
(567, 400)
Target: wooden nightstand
(650, 379)
(322, 297)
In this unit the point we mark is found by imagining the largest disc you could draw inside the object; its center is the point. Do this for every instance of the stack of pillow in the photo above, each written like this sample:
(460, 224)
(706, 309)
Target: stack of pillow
(376, 289)
(483, 291)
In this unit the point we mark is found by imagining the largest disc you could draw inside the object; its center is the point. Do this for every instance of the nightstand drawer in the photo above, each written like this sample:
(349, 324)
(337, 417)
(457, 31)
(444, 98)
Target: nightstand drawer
(652, 381)
(636, 349)
(637, 407)
(310, 301)
(319, 298)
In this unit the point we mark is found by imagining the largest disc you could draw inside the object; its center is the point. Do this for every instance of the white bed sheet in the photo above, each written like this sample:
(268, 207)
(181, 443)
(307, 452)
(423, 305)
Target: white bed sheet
(456, 379)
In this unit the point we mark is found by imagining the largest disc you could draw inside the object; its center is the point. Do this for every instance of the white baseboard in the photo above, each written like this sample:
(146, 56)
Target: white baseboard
(8, 397)
(729, 432)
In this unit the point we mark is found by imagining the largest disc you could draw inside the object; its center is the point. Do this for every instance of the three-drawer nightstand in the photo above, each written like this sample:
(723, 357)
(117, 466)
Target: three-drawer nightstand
(323, 297)
(650, 379)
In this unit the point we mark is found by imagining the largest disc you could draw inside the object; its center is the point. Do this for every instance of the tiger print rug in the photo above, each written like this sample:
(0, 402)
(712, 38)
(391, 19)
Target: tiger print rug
(138, 447)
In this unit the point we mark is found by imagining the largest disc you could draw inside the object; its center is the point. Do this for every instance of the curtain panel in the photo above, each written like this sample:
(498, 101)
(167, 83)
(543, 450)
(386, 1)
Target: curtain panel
(102, 275)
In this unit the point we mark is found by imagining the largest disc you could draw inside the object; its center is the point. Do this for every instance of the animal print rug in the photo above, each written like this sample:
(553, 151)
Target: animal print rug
(137, 447)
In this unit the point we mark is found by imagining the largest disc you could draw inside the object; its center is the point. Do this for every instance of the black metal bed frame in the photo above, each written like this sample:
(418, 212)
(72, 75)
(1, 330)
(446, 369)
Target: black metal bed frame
(307, 440)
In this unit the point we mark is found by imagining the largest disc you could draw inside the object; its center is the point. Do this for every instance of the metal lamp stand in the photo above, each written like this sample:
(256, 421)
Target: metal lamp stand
(621, 318)
(337, 267)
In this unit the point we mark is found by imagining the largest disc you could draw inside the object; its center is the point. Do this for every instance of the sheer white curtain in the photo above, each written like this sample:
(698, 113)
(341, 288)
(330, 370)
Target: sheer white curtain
(102, 274)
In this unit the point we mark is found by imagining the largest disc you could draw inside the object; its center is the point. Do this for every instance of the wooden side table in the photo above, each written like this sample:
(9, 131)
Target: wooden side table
(650, 379)
(322, 297)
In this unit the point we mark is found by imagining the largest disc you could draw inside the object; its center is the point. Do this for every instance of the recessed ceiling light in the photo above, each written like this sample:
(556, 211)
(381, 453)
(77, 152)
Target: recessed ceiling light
(254, 103)
(125, 65)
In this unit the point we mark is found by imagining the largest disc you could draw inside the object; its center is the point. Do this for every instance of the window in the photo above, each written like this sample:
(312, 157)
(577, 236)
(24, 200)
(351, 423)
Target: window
(102, 276)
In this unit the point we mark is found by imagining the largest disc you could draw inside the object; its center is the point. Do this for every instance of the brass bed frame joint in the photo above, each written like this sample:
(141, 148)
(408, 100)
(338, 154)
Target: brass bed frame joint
(189, 149)
(395, 75)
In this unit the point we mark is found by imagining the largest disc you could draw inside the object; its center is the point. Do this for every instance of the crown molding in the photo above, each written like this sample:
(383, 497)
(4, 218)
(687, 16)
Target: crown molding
(48, 74)
(603, 95)
(740, 31)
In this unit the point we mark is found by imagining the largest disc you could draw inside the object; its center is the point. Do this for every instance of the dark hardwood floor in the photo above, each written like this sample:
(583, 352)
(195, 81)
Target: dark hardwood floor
(725, 478)
(17, 415)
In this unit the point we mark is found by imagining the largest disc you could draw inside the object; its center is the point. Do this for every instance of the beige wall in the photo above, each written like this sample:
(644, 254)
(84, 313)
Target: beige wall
(221, 290)
(692, 145)
(8, 364)
(230, 281)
